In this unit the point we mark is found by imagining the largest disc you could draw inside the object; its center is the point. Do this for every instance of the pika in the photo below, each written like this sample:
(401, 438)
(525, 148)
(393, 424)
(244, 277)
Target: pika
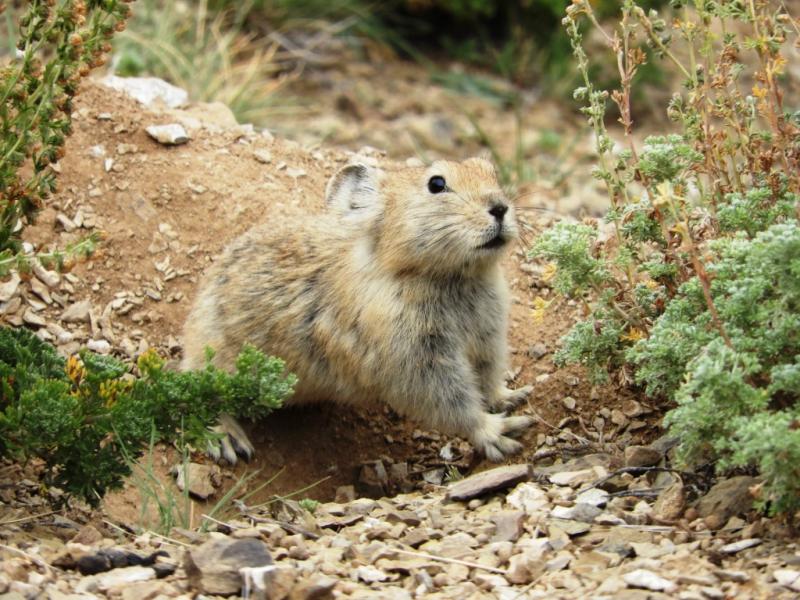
(394, 293)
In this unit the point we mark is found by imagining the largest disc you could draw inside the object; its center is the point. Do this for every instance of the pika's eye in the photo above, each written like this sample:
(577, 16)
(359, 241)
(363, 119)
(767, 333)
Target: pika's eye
(437, 184)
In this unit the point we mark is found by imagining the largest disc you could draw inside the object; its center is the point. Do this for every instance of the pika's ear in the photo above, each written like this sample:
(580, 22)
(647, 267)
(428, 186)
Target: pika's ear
(352, 188)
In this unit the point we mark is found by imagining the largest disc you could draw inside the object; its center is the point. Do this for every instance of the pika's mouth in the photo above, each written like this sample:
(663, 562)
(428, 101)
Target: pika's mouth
(497, 241)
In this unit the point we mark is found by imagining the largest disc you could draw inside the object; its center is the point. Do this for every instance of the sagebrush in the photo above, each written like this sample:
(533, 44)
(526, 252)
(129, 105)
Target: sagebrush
(86, 417)
(692, 281)
(57, 46)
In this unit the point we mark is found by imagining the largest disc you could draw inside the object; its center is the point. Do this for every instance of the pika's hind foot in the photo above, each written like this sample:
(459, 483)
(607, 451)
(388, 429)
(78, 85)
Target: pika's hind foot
(508, 400)
(233, 443)
(494, 437)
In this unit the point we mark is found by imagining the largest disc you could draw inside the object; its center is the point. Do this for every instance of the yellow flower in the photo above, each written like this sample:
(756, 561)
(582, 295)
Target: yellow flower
(663, 194)
(75, 369)
(759, 92)
(778, 65)
(634, 335)
(539, 307)
(651, 285)
(549, 272)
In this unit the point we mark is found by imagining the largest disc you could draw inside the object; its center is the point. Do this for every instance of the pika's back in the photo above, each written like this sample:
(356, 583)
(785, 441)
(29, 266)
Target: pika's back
(396, 256)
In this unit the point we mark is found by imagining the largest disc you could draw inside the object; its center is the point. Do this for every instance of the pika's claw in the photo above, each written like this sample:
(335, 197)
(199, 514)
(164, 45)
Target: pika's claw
(233, 444)
(510, 399)
(493, 438)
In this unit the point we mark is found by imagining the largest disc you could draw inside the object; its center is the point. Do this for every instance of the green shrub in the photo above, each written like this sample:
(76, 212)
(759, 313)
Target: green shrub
(85, 417)
(58, 45)
(694, 287)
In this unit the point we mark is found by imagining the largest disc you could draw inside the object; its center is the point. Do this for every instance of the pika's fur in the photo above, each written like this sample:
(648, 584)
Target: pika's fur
(394, 293)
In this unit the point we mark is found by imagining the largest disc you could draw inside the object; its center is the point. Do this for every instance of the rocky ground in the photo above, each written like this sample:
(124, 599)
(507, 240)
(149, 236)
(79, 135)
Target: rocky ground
(581, 529)
(592, 508)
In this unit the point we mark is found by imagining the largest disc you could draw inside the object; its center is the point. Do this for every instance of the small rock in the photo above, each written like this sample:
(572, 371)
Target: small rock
(32, 318)
(370, 574)
(373, 479)
(788, 578)
(66, 223)
(735, 547)
(537, 350)
(569, 403)
(88, 535)
(670, 502)
(573, 478)
(642, 578)
(77, 312)
(318, 587)
(200, 479)
(345, 494)
(731, 575)
(489, 481)
(570, 528)
(262, 156)
(169, 135)
(9, 288)
(593, 496)
(148, 90)
(641, 456)
(578, 512)
(560, 562)
(529, 497)
(213, 567)
(123, 576)
(509, 525)
(727, 498)
(50, 278)
(99, 346)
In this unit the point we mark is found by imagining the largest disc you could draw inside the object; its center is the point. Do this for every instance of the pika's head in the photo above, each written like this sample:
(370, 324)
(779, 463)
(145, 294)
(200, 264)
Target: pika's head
(449, 217)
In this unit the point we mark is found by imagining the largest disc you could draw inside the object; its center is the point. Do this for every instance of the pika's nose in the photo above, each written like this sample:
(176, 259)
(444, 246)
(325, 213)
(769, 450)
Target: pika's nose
(498, 211)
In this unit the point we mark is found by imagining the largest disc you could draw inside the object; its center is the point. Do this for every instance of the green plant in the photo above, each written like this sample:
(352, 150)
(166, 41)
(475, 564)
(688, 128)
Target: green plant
(58, 45)
(206, 53)
(88, 417)
(692, 284)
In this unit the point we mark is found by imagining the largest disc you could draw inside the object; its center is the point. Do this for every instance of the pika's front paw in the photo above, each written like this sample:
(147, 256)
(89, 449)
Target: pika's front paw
(493, 438)
(507, 399)
(233, 443)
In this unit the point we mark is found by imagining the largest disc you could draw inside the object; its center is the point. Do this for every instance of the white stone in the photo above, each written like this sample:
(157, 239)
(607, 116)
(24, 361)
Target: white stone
(172, 134)
(148, 90)
(642, 578)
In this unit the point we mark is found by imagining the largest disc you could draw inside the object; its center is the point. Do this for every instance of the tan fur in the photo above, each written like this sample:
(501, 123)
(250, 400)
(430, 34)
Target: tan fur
(386, 296)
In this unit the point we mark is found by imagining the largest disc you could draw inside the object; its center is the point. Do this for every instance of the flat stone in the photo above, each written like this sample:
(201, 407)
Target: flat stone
(126, 575)
(573, 478)
(318, 587)
(644, 579)
(788, 578)
(148, 90)
(78, 312)
(641, 456)
(9, 288)
(670, 502)
(732, 575)
(528, 496)
(489, 481)
(170, 135)
(728, 498)
(593, 497)
(579, 512)
(200, 479)
(735, 547)
(213, 567)
(571, 528)
(509, 525)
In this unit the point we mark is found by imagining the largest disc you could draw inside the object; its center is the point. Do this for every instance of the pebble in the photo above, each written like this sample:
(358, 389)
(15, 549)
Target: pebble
(645, 579)
(170, 135)
(735, 547)
(489, 481)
